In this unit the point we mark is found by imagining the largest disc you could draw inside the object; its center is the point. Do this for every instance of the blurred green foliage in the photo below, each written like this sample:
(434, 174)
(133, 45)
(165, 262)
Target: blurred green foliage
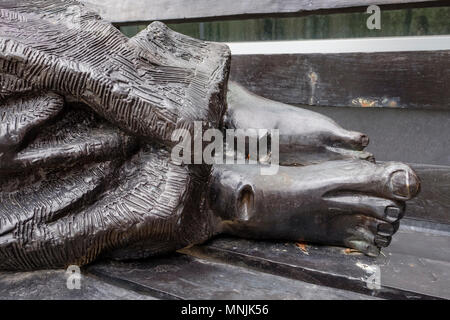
(405, 22)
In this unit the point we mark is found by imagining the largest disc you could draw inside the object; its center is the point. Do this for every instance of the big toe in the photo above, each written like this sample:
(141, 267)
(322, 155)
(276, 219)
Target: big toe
(352, 140)
(404, 183)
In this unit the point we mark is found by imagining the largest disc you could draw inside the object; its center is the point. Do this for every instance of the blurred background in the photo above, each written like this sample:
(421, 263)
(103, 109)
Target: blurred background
(400, 22)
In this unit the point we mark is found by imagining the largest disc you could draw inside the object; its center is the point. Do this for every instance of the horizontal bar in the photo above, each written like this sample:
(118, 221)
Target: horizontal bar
(186, 277)
(412, 79)
(385, 44)
(343, 269)
(123, 11)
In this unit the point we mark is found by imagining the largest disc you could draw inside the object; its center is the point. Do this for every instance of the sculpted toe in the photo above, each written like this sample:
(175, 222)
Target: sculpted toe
(381, 241)
(393, 213)
(385, 229)
(358, 140)
(364, 247)
(404, 184)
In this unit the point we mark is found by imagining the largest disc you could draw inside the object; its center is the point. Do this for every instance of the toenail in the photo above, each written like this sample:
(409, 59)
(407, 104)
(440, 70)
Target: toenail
(364, 140)
(396, 225)
(393, 213)
(371, 158)
(404, 184)
(382, 241)
(385, 229)
(373, 251)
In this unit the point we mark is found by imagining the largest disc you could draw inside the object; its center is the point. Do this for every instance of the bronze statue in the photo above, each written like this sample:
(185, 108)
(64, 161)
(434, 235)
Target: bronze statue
(87, 119)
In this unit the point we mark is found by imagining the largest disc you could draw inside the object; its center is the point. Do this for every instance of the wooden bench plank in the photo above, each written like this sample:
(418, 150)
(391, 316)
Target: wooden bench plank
(412, 135)
(51, 285)
(120, 11)
(337, 267)
(186, 277)
(422, 241)
(378, 79)
(433, 201)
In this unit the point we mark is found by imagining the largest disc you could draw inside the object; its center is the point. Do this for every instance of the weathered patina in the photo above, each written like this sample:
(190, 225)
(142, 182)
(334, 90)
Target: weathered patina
(86, 138)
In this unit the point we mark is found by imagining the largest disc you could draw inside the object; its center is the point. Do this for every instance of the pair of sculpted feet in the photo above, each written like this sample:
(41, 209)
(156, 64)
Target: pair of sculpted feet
(86, 138)
(327, 190)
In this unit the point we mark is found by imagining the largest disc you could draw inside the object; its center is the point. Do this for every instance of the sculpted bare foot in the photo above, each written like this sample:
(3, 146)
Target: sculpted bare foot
(351, 203)
(306, 137)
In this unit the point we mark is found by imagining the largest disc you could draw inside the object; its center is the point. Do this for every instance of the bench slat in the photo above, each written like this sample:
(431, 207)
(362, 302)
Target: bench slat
(378, 79)
(126, 11)
(52, 285)
(337, 267)
(186, 277)
(433, 201)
